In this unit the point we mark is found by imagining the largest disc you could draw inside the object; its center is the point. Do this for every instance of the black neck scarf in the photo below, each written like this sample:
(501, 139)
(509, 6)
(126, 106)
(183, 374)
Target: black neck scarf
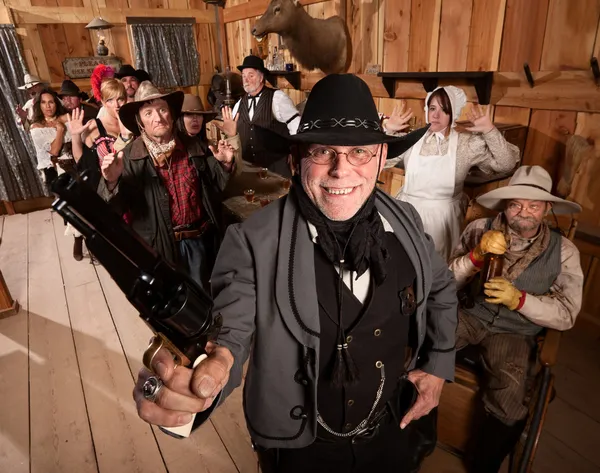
(355, 244)
(360, 236)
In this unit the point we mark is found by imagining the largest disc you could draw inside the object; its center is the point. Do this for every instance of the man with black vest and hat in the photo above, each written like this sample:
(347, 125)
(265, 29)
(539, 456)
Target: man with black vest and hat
(541, 286)
(267, 108)
(340, 300)
(72, 97)
(167, 184)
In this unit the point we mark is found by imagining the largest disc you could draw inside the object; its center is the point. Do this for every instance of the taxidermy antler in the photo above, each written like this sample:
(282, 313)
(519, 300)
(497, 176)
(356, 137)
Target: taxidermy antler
(315, 43)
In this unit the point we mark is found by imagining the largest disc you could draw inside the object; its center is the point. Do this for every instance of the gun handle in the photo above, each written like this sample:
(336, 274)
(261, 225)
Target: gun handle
(183, 431)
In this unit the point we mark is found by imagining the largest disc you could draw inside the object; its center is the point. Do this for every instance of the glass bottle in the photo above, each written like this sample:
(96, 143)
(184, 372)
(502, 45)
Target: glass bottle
(269, 62)
(275, 59)
(492, 268)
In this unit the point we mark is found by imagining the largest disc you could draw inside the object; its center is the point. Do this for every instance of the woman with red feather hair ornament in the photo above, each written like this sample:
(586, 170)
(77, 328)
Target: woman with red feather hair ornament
(95, 139)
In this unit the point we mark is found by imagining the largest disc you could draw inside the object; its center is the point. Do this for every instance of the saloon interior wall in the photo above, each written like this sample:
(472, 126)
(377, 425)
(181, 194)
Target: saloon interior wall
(558, 40)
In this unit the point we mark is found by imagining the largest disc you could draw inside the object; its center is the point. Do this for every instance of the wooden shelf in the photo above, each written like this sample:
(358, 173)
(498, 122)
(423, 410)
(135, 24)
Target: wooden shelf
(293, 77)
(481, 80)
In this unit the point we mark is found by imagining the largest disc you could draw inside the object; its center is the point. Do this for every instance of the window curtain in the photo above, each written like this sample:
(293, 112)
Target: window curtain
(166, 50)
(19, 178)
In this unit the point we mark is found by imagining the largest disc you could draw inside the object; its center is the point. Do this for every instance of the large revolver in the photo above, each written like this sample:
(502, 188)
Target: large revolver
(175, 308)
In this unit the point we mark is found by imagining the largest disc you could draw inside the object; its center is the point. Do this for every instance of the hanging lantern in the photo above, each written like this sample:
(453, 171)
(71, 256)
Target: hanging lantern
(100, 25)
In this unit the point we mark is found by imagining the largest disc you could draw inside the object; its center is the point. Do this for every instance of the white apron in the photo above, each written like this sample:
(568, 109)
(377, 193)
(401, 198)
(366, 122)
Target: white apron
(429, 186)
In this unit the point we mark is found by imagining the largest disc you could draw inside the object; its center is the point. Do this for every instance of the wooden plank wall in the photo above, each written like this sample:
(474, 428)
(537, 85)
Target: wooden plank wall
(51, 30)
(556, 38)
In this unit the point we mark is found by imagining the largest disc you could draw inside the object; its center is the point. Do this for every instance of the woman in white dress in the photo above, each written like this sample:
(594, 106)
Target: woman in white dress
(50, 134)
(437, 165)
(52, 141)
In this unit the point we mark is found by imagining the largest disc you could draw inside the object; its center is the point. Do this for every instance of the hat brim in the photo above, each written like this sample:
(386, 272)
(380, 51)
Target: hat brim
(494, 199)
(128, 112)
(207, 114)
(29, 86)
(346, 137)
(264, 70)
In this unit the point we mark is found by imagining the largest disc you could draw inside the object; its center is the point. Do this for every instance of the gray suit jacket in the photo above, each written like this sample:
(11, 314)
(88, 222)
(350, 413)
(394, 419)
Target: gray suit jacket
(264, 287)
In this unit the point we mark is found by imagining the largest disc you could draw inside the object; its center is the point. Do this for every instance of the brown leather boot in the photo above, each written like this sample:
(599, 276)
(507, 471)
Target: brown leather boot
(78, 248)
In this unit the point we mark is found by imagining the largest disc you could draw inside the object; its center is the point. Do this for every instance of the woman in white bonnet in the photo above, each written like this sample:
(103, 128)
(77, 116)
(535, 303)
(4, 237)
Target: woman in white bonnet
(436, 166)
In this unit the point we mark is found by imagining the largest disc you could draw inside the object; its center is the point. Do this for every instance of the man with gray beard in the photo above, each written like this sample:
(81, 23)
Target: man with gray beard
(541, 287)
(264, 108)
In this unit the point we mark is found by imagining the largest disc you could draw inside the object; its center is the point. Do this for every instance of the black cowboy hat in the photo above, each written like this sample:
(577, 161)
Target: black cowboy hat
(68, 88)
(253, 62)
(340, 111)
(142, 75)
(126, 70)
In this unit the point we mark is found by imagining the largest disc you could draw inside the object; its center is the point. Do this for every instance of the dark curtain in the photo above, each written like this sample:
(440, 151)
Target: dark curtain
(167, 51)
(19, 178)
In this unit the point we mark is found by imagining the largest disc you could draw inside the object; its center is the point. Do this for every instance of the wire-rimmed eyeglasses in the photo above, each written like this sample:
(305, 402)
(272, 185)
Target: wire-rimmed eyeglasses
(358, 156)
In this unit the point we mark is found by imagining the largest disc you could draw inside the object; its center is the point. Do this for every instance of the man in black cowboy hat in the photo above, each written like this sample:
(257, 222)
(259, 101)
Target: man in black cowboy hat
(72, 97)
(131, 79)
(167, 184)
(339, 298)
(267, 108)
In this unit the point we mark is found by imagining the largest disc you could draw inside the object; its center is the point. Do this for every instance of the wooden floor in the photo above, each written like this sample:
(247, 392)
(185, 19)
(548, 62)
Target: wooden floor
(69, 358)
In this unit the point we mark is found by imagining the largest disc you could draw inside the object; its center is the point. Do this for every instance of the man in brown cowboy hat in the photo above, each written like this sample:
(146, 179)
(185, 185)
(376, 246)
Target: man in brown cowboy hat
(267, 108)
(167, 185)
(72, 97)
(541, 286)
(326, 290)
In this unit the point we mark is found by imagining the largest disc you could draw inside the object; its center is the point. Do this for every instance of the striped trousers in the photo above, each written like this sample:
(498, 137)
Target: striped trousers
(507, 359)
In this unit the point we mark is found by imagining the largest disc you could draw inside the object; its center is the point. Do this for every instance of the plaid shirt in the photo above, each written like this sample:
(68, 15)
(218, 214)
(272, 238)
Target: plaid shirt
(181, 181)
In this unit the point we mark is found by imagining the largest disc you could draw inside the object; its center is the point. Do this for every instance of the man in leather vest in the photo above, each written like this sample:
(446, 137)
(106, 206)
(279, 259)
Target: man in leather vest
(541, 286)
(265, 108)
(326, 290)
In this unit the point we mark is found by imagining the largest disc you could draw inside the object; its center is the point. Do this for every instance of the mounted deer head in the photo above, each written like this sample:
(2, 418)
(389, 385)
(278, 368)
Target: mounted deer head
(315, 43)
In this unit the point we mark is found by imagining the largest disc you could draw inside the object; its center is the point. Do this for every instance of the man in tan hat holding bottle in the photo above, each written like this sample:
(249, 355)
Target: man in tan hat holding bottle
(540, 287)
(167, 184)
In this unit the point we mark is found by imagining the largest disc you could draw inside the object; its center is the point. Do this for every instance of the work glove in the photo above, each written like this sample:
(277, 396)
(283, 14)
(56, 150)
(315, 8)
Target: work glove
(501, 291)
(492, 241)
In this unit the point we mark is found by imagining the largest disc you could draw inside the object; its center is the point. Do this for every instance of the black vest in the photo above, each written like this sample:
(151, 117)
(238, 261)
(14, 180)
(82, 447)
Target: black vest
(254, 148)
(376, 332)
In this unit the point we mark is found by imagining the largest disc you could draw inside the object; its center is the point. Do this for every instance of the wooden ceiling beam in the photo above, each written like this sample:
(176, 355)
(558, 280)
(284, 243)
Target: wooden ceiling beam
(116, 16)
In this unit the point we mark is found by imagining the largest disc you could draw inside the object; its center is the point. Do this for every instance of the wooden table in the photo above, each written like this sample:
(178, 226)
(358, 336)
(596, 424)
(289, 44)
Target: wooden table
(236, 207)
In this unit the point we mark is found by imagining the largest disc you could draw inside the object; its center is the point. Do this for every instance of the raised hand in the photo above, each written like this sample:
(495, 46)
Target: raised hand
(224, 152)
(229, 125)
(21, 113)
(76, 126)
(399, 118)
(480, 118)
(112, 167)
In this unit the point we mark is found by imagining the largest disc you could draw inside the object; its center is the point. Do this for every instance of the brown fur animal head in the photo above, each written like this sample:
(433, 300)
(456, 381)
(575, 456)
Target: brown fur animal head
(277, 18)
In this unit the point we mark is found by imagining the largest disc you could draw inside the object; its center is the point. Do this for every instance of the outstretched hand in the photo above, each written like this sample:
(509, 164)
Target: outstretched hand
(229, 125)
(429, 388)
(480, 118)
(185, 390)
(224, 151)
(399, 118)
(76, 126)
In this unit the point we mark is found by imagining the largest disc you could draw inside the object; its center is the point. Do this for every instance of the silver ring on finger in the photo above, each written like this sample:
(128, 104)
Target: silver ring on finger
(151, 388)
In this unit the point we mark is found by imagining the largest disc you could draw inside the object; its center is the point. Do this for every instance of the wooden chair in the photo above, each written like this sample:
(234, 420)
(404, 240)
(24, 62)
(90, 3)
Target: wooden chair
(458, 405)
